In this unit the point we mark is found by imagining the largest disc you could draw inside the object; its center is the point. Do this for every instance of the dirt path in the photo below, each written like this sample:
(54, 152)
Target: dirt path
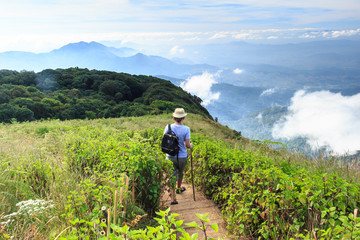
(187, 208)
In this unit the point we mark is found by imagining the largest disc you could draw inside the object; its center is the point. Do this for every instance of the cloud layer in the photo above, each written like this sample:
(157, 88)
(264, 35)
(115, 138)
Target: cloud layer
(168, 44)
(38, 24)
(268, 92)
(200, 85)
(238, 71)
(325, 118)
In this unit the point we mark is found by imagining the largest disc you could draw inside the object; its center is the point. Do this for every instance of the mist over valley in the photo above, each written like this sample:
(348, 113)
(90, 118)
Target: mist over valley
(303, 94)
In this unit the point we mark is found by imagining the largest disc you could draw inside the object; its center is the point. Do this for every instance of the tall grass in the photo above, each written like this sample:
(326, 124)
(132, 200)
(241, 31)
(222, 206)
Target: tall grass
(33, 166)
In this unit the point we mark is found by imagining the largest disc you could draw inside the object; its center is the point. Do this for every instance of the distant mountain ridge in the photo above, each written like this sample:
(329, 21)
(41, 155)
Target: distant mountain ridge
(94, 55)
(302, 56)
(264, 65)
(255, 82)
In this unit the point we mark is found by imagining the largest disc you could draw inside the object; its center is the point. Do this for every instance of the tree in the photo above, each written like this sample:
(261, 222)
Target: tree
(112, 87)
(4, 96)
(8, 112)
(51, 106)
(80, 93)
(76, 111)
(23, 102)
(41, 111)
(163, 106)
(19, 91)
(47, 79)
(24, 114)
(27, 78)
(138, 109)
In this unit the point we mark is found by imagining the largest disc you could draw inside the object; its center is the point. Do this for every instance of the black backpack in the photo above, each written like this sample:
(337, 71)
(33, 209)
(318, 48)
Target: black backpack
(170, 143)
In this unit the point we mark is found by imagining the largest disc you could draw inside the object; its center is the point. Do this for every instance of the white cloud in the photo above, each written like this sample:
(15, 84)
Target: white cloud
(325, 118)
(238, 71)
(154, 43)
(344, 33)
(176, 50)
(193, 39)
(307, 35)
(38, 18)
(218, 36)
(200, 85)
(245, 36)
(268, 92)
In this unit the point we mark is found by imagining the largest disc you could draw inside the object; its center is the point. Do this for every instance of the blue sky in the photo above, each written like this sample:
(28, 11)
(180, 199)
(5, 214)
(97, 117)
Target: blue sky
(39, 25)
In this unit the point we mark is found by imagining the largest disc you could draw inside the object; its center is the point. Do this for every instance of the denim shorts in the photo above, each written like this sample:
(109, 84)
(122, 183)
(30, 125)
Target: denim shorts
(178, 169)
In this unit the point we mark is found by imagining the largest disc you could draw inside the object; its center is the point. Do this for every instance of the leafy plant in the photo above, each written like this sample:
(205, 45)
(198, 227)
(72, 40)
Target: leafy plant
(261, 197)
(168, 228)
(38, 174)
(203, 219)
(12, 189)
(94, 150)
(263, 193)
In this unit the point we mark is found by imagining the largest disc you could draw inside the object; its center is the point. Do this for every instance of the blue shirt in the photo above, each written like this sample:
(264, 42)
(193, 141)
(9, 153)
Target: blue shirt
(183, 133)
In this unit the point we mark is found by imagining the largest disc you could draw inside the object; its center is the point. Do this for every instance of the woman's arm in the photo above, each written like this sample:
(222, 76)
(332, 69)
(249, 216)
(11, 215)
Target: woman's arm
(188, 144)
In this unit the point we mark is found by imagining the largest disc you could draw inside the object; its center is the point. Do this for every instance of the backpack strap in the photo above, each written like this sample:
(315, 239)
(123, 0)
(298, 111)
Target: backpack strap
(169, 128)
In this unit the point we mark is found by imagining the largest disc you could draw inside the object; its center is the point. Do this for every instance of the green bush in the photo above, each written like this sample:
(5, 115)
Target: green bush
(132, 153)
(168, 228)
(269, 199)
(95, 199)
(38, 175)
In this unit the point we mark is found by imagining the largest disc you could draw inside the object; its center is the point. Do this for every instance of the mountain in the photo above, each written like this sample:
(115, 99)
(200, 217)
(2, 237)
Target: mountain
(341, 54)
(254, 80)
(94, 55)
(95, 48)
(317, 65)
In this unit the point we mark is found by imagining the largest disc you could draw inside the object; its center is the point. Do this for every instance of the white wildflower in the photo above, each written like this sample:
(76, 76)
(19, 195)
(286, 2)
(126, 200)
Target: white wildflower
(28, 208)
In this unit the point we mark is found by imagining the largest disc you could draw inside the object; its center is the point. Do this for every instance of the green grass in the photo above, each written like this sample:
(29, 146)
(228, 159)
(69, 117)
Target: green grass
(34, 161)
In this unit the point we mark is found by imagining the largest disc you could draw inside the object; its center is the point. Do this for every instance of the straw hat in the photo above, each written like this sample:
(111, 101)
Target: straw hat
(179, 113)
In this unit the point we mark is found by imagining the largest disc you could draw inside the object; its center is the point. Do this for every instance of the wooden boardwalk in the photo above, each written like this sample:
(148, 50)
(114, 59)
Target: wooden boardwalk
(187, 208)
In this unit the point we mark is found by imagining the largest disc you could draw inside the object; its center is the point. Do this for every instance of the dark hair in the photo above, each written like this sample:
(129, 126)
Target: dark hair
(178, 119)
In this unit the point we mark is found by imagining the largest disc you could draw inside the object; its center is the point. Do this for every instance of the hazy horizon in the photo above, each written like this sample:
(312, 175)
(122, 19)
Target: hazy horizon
(187, 28)
(167, 27)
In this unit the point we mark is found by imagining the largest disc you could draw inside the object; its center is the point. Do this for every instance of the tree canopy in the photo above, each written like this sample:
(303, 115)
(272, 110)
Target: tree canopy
(77, 93)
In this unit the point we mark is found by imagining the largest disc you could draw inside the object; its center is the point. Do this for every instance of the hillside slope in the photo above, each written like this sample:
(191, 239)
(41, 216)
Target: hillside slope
(76, 167)
(51, 161)
(76, 93)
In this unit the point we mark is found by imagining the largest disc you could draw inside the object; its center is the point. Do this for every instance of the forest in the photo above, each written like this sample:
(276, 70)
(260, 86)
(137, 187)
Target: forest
(76, 93)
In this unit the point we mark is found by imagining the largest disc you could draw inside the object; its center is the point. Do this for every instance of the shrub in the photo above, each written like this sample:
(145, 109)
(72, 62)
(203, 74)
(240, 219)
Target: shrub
(264, 198)
(99, 150)
(95, 199)
(168, 228)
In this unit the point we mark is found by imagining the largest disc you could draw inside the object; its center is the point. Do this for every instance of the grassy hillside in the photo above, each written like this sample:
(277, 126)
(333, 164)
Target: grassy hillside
(75, 168)
(51, 160)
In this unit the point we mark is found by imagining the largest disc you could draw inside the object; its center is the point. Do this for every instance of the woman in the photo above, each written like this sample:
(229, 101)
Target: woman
(179, 162)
